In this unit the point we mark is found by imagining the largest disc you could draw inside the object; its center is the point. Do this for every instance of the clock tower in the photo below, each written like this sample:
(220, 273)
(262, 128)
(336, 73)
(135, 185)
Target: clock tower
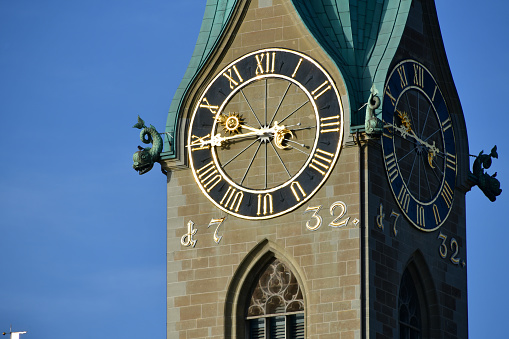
(317, 164)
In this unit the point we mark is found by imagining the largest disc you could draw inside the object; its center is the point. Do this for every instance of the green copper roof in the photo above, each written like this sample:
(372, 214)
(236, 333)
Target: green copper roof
(361, 36)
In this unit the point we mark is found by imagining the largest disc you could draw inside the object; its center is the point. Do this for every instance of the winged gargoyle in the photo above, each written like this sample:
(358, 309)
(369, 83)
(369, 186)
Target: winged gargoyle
(144, 159)
(487, 183)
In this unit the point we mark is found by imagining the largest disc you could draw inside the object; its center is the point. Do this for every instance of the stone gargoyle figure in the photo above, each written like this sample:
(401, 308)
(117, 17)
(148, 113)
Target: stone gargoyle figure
(487, 183)
(144, 159)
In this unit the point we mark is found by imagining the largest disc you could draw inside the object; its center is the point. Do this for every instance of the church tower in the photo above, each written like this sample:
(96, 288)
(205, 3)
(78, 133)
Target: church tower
(317, 171)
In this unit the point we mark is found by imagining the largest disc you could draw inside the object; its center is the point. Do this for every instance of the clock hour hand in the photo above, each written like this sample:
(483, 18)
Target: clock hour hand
(406, 130)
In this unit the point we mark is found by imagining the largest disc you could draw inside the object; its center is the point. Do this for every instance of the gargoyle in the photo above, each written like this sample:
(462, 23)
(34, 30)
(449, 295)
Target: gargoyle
(372, 125)
(144, 159)
(487, 183)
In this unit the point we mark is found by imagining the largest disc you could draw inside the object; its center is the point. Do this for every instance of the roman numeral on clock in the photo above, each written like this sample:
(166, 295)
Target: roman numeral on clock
(446, 124)
(392, 169)
(447, 194)
(265, 204)
(206, 104)
(418, 76)
(198, 143)
(404, 198)
(297, 193)
(402, 76)
(208, 176)
(450, 161)
(231, 197)
(327, 124)
(388, 93)
(228, 74)
(420, 216)
(267, 66)
(321, 161)
(438, 219)
(321, 89)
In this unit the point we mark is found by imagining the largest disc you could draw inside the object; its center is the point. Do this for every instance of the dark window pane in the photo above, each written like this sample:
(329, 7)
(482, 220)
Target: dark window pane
(296, 324)
(257, 328)
(277, 327)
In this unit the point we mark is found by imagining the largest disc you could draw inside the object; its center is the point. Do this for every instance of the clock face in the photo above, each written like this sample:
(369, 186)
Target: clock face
(418, 145)
(266, 133)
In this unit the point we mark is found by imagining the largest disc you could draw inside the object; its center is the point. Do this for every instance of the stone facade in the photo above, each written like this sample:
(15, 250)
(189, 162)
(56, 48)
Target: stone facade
(349, 275)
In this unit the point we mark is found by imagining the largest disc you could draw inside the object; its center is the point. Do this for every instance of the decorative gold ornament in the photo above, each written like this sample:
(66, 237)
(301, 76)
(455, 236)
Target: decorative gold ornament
(231, 122)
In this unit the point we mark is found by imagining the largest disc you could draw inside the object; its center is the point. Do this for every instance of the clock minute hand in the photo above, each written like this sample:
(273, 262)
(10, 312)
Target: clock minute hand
(409, 132)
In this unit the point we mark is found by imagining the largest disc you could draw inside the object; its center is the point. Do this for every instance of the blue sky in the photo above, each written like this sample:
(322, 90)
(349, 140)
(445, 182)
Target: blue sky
(83, 237)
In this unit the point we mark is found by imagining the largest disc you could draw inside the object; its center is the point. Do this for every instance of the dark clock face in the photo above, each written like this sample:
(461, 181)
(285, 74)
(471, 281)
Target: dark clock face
(266, 133)
(418, 145)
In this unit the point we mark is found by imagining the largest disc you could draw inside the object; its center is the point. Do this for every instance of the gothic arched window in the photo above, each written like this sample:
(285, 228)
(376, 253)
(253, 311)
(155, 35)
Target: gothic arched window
(410, 321)
(276, 305)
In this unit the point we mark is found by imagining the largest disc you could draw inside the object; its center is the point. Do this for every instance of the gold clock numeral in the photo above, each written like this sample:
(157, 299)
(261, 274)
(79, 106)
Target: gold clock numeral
(324, 87)
(447, 194)
(297, 68)
(329, 122)
(198, 143)
(402, 76)
(438, 219)
(268, 65)
(434, 93)
(265, 203)
(294, 185)
(446, 124)
(420, 216)
(404, 198)
(206, 104)
(388, 93)
(392, 169)
(231, 197)
(418, 76)
(450, 161)
(323, 159)
(209, 176)
(228, 74)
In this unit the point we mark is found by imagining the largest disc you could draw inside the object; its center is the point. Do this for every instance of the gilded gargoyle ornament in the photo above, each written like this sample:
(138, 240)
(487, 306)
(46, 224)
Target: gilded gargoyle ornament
(488, 184)
(144, 159)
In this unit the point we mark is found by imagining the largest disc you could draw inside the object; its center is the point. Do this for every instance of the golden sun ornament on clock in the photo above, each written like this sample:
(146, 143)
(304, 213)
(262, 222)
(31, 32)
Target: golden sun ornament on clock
(265, 134)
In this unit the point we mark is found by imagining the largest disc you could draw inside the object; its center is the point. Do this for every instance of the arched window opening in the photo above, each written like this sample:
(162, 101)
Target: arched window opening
(410, 321)
(276, 305)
